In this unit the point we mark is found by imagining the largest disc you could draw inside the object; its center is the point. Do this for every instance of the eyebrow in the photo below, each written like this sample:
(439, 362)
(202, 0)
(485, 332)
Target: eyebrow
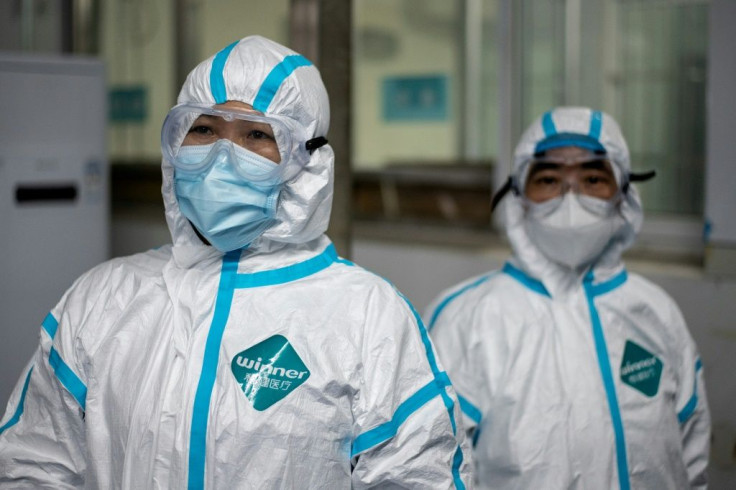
(542, 166)
(596, 164)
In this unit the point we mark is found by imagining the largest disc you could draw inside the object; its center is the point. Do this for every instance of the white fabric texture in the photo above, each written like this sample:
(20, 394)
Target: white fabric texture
(542, 356)
(141, 381)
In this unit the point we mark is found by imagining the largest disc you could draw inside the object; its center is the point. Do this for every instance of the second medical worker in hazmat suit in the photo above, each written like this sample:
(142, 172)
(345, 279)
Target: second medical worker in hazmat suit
(572, 372)
(260, 361)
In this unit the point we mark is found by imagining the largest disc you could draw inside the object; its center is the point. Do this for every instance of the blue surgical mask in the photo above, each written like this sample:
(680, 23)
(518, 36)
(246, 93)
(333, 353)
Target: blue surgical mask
(227, 209)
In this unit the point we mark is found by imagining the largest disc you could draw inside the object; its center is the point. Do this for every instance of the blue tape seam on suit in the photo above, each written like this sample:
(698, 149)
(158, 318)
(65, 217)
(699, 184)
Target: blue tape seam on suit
(531, 283)
(440, 381)
(474, 414)
(19, 409)
(66, 376)
(470, 410)
(387, 430)
(200, 412)
(604, 364)
(690, 406)
(450, 298)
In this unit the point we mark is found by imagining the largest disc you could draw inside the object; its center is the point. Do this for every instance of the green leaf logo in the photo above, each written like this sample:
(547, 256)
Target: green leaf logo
(641, 369)
(269, 371)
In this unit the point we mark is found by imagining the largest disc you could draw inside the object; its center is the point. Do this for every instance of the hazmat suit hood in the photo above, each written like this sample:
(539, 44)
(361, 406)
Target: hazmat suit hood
(593, 130)
(276, 81)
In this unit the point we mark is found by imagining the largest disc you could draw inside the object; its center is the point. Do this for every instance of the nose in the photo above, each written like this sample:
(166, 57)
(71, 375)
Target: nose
(230, 132)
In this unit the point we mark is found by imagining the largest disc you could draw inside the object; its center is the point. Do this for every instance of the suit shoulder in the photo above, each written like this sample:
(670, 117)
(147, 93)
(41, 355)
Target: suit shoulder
(149, 263)
(648, 291)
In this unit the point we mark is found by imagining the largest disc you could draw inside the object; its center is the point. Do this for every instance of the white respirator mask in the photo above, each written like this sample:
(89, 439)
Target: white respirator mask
(574, 229)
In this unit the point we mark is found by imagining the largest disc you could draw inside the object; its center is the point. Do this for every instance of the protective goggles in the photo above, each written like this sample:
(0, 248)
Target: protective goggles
(551, 177)
(564, 175)
(277, 139)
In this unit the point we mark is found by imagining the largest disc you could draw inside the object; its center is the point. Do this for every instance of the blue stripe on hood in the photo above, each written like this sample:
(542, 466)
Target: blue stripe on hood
(596, 120)
(217, 78)
(273, 81)
(548, 124)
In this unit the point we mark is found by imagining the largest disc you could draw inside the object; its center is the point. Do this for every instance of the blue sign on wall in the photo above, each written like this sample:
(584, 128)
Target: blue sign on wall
(128, 104)
(415, 98)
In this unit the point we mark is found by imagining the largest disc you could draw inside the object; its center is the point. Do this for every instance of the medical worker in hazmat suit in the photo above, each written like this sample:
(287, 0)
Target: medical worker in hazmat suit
(571, 371)
(247, 354)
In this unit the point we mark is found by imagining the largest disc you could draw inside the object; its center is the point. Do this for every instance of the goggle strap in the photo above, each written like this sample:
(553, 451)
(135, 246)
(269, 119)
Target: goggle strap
(638, 177)
(315, 143)
(642, 177)
(507, 186)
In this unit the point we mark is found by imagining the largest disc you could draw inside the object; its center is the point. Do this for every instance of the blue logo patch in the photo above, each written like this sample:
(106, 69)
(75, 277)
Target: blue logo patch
(641, 369)
(269, 371)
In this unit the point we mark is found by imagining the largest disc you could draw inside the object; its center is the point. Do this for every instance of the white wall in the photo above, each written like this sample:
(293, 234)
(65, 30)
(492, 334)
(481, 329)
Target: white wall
(721, 177)
(720, 191)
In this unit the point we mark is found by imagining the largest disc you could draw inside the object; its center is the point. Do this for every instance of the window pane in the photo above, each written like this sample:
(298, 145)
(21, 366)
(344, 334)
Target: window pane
(634, 62)
(542, 58)
(424, 110)
(405, 81)
(662, 94)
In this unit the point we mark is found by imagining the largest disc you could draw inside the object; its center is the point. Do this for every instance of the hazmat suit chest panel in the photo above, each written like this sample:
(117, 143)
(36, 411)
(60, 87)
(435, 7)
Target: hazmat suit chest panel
(311, 426)
(302, 367)
(545, 420)
(649, 348)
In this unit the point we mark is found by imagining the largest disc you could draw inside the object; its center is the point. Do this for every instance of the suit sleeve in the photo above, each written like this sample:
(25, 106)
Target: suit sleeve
(42, 441)
(462, 354)
(692, 410)
(406, 430)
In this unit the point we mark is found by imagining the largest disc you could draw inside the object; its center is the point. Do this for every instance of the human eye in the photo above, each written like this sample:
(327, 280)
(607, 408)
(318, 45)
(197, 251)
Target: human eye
(200, 129)
(259, 135)
(260, 132)
(543, 185)
(545, 179)
(201, 132)
(259, 138)
(597, 178)
(598, 183)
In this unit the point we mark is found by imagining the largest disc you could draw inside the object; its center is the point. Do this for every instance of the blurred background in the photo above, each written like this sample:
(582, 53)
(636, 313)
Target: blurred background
(428, 98)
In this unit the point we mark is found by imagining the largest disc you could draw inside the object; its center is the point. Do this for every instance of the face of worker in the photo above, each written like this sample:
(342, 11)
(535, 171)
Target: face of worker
(255, 136)
(570, 168)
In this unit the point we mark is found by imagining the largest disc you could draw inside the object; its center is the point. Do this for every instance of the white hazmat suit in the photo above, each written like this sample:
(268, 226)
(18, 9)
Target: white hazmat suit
(567, 378)
(278, 366)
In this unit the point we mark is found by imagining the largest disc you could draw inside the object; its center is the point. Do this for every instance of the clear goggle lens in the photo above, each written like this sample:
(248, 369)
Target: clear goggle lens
(550, 178)
(276, 139)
